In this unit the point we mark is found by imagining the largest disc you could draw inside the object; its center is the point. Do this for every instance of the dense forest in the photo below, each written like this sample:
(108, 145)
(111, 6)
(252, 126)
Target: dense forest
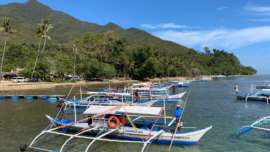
(47, 50)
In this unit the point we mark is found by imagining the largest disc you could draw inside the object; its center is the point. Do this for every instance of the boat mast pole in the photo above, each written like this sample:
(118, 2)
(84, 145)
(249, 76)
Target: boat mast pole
(132, 94)
(75, 112)
(122, 98)
(164, 107)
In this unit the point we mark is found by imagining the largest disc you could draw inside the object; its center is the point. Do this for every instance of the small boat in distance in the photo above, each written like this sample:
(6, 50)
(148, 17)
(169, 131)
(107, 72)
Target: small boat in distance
(256, 93)
(155, 91)
(180, 84)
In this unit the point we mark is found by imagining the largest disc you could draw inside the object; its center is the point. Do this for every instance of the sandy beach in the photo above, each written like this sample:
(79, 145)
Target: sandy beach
(14, 86)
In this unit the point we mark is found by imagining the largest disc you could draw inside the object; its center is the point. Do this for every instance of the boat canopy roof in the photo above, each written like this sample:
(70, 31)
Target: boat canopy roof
(135, 110)
(108, 93)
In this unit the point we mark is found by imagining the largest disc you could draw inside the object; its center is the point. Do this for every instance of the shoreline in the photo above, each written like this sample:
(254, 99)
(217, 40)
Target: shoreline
(26, 86)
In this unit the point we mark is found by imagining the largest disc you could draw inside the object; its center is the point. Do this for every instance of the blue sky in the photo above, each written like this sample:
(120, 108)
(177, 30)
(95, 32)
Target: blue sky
(238, 26)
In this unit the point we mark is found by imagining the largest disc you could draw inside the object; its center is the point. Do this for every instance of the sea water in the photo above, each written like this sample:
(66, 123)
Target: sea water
(210, 103)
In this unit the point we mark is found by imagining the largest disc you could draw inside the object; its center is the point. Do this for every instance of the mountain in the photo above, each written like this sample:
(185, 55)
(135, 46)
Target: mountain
(26, 16)
(144, 55)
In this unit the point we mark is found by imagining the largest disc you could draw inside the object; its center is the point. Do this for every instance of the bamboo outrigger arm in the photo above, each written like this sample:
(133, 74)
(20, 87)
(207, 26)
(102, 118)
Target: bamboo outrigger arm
(42, 133)
(78, 135)
(70, 138)
(172, 121)
(150, 139)
(97, 138)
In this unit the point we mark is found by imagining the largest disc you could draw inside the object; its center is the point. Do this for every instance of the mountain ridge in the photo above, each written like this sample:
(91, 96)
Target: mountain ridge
(112, 49)
(67, 28)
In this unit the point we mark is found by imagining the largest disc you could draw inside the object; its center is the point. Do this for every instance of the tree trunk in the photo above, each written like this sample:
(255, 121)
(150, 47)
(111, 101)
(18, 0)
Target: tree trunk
(2, 60)
(34, 68)
(74, 65)
(44, 44)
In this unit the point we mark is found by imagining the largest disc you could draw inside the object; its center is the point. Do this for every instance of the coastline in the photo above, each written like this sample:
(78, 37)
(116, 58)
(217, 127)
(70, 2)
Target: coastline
(13, 86)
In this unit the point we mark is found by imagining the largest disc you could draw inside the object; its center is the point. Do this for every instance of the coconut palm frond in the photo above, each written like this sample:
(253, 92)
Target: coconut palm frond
(43, 28)
(6, 25)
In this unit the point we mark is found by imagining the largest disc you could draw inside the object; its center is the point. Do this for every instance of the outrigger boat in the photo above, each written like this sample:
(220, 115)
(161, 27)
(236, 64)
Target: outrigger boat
(121, 124)
(257, 93)
(142, 97)
(109, 98)
(181, 84)
(260, 124)
(162, 93)
(158, 91)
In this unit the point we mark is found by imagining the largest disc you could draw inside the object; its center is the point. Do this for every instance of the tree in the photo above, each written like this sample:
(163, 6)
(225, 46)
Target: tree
(151, 68)
(96, 69)
(63, 64)
(17, 56)
(207, 51)
(42, 33)
(42, 70)
(6, 29)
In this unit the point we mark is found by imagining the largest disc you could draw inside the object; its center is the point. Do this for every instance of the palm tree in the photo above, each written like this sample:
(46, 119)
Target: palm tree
(42, 33)
(75, 50)
(6, 29)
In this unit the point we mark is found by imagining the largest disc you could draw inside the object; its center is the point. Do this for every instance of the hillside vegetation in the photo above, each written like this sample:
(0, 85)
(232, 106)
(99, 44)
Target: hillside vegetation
(101, 51)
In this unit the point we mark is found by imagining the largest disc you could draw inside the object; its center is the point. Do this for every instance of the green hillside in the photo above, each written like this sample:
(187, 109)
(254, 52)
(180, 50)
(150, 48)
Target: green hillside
(103, 50)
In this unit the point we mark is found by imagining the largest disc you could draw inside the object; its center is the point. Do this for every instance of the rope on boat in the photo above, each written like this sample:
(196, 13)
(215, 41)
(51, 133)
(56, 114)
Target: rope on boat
(70, 91)
(57, 115)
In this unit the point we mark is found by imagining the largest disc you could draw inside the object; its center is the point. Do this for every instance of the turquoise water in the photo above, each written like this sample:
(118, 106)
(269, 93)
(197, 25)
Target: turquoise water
(210, 103)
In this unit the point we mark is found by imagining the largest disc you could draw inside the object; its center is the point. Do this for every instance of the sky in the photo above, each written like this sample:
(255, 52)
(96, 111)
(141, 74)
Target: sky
(238, 26)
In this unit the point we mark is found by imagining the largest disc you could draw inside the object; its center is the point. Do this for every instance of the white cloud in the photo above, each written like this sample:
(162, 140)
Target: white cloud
(258, 9)
(148, 26)
(259, 19)
(218, 38)
(170, 25)
(222, 8)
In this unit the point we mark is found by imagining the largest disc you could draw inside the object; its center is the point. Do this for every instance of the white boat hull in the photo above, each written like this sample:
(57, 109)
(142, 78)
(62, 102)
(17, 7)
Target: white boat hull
(177, 96)
(135, 134)
(188, 138)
